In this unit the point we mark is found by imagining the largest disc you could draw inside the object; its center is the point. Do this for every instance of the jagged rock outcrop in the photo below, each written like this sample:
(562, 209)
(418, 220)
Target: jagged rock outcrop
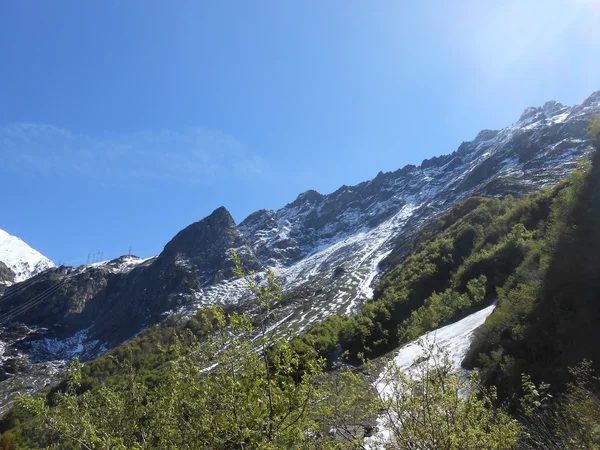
(115, 300)
(206, 246)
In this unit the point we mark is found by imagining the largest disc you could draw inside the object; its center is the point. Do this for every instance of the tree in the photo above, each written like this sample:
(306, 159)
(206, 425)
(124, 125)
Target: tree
(433, 406)
(594, 130)
(569, 421)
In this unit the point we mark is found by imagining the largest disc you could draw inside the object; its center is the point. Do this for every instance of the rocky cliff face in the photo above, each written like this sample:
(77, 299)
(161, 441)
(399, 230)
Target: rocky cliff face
(207, 245)
(7, 276)
(326, 249)
(114, 300)
(536, 151)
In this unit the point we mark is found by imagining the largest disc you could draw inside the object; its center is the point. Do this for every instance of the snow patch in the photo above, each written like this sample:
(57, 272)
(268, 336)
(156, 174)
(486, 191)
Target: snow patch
(454, 338)
(63, 349)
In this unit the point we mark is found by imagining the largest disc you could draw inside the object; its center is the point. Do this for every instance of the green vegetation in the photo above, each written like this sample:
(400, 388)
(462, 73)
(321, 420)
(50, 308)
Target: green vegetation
(222, 381)
(428, 408)
(569, 421)
(548, 312)
(454, 270)
(242, 388)
(224, 391)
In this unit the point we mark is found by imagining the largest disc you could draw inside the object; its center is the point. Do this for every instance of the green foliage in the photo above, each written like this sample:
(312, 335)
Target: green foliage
(594, 130)
(435, 407)
(547, 315)
(442, 308)
(480, 239)
(147, 351)
(223, 392)
(569, 421)
(240, 387)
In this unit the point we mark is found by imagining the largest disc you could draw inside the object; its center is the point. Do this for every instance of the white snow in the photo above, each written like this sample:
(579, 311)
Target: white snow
(19, 257)
(63, 349)
(454, 338)
(123, 264)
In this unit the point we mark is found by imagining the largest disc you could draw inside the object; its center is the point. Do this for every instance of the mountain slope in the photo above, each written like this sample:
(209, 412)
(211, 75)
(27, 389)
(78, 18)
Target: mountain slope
(20, 258)
(326, 249)
(475, 250)
(547, 320)
(112, 301)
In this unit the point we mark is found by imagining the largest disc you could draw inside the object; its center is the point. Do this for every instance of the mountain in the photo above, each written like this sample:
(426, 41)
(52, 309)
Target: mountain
(20, 258)
(326, 249)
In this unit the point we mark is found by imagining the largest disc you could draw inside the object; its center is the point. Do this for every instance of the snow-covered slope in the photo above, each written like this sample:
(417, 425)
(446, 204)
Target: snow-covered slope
(328, 247)
(20, 258)
(454, 339)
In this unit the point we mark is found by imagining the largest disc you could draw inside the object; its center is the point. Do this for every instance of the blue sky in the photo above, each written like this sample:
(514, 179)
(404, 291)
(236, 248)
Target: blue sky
(123, 122)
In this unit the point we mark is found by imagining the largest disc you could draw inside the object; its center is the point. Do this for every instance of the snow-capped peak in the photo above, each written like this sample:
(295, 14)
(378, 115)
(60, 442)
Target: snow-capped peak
(20, 258)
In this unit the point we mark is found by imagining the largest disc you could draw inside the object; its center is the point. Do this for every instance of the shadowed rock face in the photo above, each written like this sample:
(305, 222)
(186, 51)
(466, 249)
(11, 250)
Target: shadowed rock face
(6, 275)
(325, 248)
(116, 300)
(206, 245)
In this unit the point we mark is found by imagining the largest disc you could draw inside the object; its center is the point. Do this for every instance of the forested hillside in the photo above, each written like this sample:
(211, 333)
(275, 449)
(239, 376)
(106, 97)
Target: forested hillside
(222, 380)
(548, 315)
(455, 269)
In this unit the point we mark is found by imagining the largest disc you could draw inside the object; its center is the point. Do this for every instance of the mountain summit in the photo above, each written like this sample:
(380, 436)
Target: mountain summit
(206, 245)
(23, 261)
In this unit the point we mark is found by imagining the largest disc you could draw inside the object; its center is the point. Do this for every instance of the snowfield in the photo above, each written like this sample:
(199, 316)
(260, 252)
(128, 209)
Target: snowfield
(19, 257)
(454, 339)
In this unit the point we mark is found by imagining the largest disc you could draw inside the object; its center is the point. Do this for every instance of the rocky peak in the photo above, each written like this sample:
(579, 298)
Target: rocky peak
(552, 108)
(486, 135)
(194, 238)
(530, 114)
(258, 222)
(549, 110)
(590, 104)
(436, 161)
(206, 245)
(379, 180)
(464, 148)
(594, 98)
(311, 196)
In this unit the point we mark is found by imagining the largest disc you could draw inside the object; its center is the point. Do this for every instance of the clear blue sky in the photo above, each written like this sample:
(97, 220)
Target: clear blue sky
(121, 122)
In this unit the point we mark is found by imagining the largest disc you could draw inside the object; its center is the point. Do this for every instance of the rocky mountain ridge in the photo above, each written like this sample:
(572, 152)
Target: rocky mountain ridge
(326, 249)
